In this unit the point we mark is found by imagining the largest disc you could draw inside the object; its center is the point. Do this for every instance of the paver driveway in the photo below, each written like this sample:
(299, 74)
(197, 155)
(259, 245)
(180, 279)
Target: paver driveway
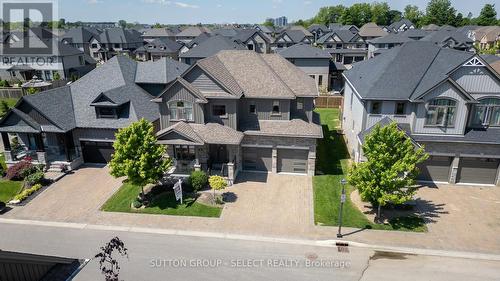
(75, 196)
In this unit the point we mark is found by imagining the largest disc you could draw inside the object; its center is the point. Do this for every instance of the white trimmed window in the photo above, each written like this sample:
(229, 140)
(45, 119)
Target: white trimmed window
(181, 110)
(487, 113)
(441, 112)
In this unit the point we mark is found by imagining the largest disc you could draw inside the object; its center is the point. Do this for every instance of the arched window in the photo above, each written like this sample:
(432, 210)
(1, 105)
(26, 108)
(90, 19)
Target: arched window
(441, 112)
(487, 112)
(181, 110)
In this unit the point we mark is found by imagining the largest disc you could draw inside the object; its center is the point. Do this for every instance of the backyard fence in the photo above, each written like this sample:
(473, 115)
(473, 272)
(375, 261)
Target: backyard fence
(16, 93)
(329, 101)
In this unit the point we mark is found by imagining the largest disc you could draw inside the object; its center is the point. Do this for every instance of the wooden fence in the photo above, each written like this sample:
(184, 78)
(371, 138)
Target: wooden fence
(16, 93)
(329, 101)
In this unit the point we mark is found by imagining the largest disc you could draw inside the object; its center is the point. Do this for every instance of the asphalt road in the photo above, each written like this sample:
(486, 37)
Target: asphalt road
(172, 257)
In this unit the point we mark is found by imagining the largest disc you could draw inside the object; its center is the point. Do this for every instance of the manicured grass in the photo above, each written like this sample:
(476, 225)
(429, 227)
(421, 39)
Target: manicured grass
(164, 204)
(331, 167)
(8, 189)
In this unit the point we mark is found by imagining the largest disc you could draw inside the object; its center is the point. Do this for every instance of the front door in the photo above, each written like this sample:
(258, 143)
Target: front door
(218, 153)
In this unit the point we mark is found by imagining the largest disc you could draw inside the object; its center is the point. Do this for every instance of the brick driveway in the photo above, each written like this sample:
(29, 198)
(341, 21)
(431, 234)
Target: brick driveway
(72, 198)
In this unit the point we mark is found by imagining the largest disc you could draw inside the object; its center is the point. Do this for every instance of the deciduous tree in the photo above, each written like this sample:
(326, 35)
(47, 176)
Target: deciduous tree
(388, 175)
(440, 12)
(137, 156)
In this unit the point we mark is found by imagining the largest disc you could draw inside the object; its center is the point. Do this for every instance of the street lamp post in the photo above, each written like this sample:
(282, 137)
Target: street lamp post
(342, 200)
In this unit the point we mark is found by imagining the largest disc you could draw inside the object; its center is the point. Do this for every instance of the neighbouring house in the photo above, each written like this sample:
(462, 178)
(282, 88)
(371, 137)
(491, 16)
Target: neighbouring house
(431, 27)
(157, 49)
(382, 44)
(20, 63)
(80, 38)
(195, 42)
(191, 32)
(210, 47)
(254, 40)
(336, 26)
(240, 111)
(371, 31)
(290, 37)
(113, 41)
(344, 46)
(400, 26)
(493, 61)
(486, 37)
(70, 125)
(415, 33)
(269, 31)
(315, 62)
(152, 34)
(446, 100)
(449, 37)
(318, 30)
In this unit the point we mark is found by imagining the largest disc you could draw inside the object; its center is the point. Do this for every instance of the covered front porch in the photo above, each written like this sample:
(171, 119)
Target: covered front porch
(208, 147)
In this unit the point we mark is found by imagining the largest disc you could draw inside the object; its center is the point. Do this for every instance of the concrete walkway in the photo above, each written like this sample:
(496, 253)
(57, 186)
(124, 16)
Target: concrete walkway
(459, 217)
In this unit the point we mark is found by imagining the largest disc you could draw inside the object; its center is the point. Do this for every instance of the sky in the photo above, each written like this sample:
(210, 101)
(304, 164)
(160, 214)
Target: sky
(218, 11)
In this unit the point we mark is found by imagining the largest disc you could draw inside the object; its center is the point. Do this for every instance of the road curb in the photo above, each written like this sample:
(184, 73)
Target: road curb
(256, 238)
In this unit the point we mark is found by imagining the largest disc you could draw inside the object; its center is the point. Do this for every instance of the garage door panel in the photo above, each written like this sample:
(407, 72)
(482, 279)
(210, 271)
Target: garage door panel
(292, 160)
(257, 159)
(478, 170)
(436, 168)
(97, 152)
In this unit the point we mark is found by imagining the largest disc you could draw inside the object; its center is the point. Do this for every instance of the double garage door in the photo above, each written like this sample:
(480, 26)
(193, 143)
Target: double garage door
(289, 160)
(97, 152)
(471, 170)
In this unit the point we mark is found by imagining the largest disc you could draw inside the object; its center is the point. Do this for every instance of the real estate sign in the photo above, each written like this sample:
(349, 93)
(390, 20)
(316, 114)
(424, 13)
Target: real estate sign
(178, 190)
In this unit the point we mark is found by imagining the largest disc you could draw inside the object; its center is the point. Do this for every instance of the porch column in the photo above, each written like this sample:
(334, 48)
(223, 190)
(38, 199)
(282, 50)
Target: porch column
(274, 160)
(454, 169)
(40, 149)
(8, 150)
(230, 172)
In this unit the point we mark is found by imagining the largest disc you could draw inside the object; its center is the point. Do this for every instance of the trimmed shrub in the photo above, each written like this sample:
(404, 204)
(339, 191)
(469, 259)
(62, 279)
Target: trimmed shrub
(137, 204)
(198, 180)
(27, 192)
(16, 171)
(217, 182)
(34, 178)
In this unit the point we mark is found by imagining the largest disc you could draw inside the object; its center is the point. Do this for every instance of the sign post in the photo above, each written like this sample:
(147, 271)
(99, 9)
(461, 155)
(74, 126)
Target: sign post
(342, 201)
(178, 190)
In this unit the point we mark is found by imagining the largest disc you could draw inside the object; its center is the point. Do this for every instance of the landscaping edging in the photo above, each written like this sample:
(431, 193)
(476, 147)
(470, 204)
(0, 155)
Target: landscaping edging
(29, 198)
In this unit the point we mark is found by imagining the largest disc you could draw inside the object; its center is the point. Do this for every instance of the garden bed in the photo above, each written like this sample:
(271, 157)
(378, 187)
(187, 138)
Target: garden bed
(163, 203)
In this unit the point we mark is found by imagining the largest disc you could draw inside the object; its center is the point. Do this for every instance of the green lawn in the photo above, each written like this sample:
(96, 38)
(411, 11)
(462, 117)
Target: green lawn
(164, 204)
(8, 189)
(331, 167)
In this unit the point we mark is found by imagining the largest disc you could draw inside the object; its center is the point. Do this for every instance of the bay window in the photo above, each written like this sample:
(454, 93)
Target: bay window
(181, 110)
(487, 113)
(441, 112)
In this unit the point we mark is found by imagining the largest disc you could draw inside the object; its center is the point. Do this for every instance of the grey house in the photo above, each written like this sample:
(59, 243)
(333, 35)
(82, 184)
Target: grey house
(447, 101)
(379, 45)
(73, 124)
(240, 110)
(290, 37)
(157, 49)
(209, 47)
(115, 41)
(344, 46)
(313, 61)
(400, 26)
(80, 38)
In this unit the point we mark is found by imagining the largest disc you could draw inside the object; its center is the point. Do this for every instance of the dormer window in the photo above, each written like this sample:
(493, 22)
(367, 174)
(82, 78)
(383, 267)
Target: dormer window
(181, 110)
(441, 112)
(107, 112)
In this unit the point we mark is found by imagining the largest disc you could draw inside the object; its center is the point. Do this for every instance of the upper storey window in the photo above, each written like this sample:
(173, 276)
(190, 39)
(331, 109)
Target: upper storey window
(487, 113)
(441, 112)
(181, 110)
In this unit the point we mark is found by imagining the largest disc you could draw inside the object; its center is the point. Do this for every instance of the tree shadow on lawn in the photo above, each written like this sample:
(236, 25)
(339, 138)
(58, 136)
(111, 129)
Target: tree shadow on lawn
(166, 200)
(331, 152)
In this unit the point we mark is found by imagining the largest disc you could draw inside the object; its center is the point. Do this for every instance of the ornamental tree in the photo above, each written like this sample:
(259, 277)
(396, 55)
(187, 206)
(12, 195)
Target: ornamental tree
(388, 175)
(137, 155)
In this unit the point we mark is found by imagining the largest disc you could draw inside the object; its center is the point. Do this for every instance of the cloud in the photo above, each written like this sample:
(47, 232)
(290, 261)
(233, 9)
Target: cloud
(219, 5)
(94, 1)
(186, 5)
(307, 2)
(162, 2)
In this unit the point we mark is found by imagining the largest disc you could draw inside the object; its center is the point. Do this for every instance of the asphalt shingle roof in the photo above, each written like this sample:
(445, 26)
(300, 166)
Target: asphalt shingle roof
(211, 133)
(211, 46)
(120, 35)
(302, 50)
(343, 34)
(160, 45)
(404, 72)
(371, 29)
(162, 71)
(294, 127)
(81, 35)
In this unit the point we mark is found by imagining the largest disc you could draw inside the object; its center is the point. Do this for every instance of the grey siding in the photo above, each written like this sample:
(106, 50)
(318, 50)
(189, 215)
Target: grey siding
(305, 113)
(230, 119)
(387, 110)
(476, 80)
(264, 109)
(179, 93)
(202, 82)
(353, 120)
(445, 90)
